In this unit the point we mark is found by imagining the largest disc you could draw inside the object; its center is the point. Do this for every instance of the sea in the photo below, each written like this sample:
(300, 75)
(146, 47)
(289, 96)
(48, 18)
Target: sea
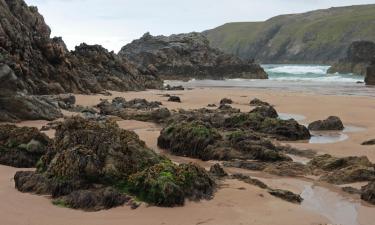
(294, 78)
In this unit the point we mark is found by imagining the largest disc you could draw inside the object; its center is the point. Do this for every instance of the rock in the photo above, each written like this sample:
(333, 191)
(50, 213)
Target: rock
(217, 171)
(370, 74)
(174, 99)
(88, 157)
(343, 170)
(93, 200)
(187, 56)
(358, 58)
(286, 195)
(351, 190)
(369, 142)
(211, 105)
(249, 180)
(21, 147)
(266, 111)
(32, 63)
(174, 88)
(226, 101)
(331, 123)
(368, 192)
(258, 102)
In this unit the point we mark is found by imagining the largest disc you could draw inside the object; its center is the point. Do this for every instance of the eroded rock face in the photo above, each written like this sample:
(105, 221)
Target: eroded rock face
(368, 192)
(331, 123)
(186, 56)
(370, 75)
(88, 157)
(32, 63)
(359, 56)
(21, 147)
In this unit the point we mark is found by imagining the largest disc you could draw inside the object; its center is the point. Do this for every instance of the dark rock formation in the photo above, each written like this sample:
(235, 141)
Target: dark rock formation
(226, 101)
(331, 123)
(370, 74)
(135, 109)
(88, 156)
(359, 56)
(174, 99)
(186, 56)
(343, 170)
(368, 192)
(369, 142)
(265, 111)
(217, 171)
(31, 63)
(249, 180)
(174, 88)
(286, 195)
(21, 146)
(258, 102)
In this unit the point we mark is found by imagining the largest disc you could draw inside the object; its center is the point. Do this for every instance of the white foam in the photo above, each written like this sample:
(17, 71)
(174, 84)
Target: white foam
(298, 69)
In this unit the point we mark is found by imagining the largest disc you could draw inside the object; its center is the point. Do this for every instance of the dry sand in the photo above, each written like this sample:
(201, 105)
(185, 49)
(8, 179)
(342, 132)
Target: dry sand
(236, 202)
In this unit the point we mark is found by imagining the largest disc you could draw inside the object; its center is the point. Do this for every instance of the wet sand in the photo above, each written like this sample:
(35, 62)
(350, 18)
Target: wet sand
(236, 202)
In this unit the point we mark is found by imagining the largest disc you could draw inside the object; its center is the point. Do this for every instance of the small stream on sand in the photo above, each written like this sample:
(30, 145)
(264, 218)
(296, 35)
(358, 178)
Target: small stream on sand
(326, 200)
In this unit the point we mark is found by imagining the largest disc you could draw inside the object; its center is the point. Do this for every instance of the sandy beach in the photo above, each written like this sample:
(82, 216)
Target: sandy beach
(235, 202)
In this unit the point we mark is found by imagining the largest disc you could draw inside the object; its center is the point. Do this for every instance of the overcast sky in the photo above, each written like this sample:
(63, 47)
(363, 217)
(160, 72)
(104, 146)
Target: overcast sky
(113, 23)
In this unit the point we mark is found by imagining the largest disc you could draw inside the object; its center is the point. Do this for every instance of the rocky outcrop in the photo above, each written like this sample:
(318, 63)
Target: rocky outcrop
(368, 192)
(331, 123)
(32, 63)
(21, 147)
(186, 56)
(358, 58)
(87, 156)
(370, 74)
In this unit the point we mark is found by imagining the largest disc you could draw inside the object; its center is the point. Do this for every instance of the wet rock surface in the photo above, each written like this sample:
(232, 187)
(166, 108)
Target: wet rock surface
(88, 157)
(369, 142)
(21, 147)
(258, 102)
(331, 123)
(187, 56)
(368, 192)
(226, 101)
(217, 171)
(174, 99)
(286, 195)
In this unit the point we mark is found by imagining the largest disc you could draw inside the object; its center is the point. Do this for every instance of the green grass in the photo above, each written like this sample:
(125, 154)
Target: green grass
(60, 203)
(335, 28)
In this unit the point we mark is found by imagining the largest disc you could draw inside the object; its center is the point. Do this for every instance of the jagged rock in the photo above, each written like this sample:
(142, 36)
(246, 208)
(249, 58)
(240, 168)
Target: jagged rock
(331, 123)
(186, 56)
(87, 156)
(174, 99)
(369, 142)
(31, 63)
(343, 170)
(258, 102)
(368, 193)
(351, 190)
(211, 105)
(217, 171)
(249, 180)
(286, 195)
(174, 88)
(370, 74)
(226, 101)
(359, 56)
(21, 147)
(265, 111)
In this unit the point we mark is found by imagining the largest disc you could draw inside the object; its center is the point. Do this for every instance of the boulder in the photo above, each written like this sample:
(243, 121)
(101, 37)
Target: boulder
(258, 102)
(286, 195)
(21, 147)
(174, 99)
(217, 171)
(265, 111)
(369, 142)
(226, 101)
(331, 123)
(187, 56)
(88, 157)
(370, 74)
(174, 88)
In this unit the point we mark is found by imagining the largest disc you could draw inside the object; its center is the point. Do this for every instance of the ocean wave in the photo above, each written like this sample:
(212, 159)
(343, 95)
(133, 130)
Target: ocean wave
(296, 69)
(326, 78)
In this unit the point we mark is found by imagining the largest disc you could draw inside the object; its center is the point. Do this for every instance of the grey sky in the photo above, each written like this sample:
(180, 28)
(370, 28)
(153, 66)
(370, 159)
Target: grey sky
(113, 23)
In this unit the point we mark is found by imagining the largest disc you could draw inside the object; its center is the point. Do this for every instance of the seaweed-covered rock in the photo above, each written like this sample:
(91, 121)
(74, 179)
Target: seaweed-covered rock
(368, 192)
(167, 184)
(174, 99)
(331, 123)
(226, 101)
(343, 170)
(21, 146)
(265, 111)
(258, 102)
(87, 156)
(217, 171)
(286, 195)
